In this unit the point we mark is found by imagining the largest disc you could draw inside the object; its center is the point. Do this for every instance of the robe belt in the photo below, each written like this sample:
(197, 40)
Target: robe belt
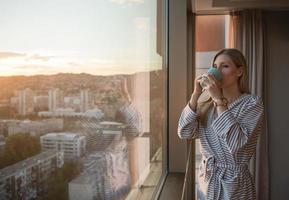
(210, 164)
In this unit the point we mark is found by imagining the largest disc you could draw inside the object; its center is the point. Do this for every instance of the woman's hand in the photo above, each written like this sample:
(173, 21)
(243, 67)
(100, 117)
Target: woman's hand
(196, 93)
(197, 87)
(213, 87)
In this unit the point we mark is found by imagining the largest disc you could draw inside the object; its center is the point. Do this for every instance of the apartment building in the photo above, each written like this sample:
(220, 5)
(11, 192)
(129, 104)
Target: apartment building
(72, 145)
(27, 179)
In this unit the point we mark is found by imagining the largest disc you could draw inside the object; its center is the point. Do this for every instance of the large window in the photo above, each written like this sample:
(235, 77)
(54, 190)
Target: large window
(82, 99)
(212, 34)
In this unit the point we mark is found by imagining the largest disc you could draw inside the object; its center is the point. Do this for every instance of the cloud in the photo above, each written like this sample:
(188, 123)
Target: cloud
(89, 62)
(28, 67)
(73, 64)
(37, 57)
(28, 57)
(5, 55)
(34, 69)
(31, 63)
(122, 2)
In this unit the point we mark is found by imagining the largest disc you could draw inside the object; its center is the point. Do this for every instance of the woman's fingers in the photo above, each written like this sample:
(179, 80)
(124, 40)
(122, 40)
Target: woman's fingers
(199, 77)
(197, 86)
(213, 80)
(206, 81)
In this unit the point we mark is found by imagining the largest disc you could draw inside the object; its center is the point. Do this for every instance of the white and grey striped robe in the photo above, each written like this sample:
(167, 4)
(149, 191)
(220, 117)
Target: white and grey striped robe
(228, 141)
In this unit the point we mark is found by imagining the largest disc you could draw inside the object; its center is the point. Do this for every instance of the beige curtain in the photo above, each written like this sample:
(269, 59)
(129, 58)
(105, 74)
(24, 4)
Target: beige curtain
(247, 35)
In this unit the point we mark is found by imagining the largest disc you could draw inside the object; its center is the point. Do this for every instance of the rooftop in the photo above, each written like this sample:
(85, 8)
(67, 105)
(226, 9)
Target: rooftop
(62, 136)
(29, 162)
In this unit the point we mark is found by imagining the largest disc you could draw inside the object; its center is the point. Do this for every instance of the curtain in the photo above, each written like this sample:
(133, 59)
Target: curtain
(247, 34)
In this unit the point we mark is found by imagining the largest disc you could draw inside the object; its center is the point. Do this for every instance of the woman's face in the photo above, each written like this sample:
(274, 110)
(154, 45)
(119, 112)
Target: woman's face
(230, 72)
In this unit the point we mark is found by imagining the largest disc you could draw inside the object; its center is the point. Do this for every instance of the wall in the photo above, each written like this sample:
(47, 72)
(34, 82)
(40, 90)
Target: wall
(178, 88)
(210, 38)
(277, 52)
(210, 33)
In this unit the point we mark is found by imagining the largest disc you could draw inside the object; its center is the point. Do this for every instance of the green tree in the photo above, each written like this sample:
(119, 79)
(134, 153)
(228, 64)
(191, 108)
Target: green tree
(58, 184)
(19, 147)
(57, 187)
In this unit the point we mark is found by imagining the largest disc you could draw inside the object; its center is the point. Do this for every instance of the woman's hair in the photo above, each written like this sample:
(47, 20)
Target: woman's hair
(205, 102)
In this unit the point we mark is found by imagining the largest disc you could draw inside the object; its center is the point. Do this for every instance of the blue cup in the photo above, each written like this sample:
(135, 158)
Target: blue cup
(215, 72)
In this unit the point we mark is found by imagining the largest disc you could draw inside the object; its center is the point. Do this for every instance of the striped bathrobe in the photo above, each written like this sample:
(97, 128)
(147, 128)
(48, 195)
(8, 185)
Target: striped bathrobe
(228, 141)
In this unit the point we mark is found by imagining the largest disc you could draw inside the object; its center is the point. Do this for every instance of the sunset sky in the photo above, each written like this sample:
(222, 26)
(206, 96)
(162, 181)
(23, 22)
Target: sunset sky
(93, 36)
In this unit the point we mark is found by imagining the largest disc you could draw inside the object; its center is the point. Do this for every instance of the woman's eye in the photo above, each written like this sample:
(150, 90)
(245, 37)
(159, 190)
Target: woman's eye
(226, 66)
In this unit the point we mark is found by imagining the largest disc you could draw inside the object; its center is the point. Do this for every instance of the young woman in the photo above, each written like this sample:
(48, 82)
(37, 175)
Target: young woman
(227, 123)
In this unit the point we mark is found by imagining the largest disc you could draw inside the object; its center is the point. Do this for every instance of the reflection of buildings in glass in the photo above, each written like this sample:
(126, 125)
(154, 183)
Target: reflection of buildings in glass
(91, 183)
(136, 111)
(111, 128)
(73, 145)
(129, 115)
(99, 134)
(54, 99)
(25, 102)
(106, 174)
(135, 115)
(25, 179)
(84, 187)
(135, 149)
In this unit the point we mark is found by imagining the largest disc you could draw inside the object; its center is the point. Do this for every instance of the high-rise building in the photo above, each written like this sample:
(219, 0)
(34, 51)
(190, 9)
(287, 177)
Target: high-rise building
(27, 179)
(71, 144)
(26, 102)
(84, 100)
(54, 99)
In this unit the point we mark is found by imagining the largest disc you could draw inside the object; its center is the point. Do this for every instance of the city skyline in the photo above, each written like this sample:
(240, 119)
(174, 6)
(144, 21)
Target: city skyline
(103, 37)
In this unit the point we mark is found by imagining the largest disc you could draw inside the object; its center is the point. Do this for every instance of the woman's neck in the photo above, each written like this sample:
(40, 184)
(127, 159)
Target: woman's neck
(232, 93)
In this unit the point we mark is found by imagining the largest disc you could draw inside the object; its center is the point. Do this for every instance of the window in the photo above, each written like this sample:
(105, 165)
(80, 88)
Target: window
(211, 36)
(83, 83)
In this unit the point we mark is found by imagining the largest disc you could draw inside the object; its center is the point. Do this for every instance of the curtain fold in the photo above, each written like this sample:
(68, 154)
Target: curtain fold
(247, 34)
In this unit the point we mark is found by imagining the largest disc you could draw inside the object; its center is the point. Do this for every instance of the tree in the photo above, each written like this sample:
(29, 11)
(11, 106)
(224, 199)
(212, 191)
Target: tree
(58, 184)
(19, 147)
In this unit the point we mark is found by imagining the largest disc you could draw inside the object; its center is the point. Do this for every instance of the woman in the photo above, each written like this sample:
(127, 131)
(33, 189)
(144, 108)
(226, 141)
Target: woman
(227, 123)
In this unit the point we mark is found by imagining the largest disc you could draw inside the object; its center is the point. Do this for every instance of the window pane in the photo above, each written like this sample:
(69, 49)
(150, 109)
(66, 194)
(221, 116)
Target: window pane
(82, 99)
(211, 36)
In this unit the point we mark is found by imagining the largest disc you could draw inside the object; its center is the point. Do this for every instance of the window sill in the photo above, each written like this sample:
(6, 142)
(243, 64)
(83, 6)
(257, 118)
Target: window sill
(173, 186)
(147, 189)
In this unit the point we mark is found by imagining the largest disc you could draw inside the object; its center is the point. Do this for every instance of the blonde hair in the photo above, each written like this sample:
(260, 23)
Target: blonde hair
(205, 102)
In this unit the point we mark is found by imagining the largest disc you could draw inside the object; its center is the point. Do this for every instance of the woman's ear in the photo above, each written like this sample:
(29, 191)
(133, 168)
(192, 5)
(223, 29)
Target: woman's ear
(240, 71)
